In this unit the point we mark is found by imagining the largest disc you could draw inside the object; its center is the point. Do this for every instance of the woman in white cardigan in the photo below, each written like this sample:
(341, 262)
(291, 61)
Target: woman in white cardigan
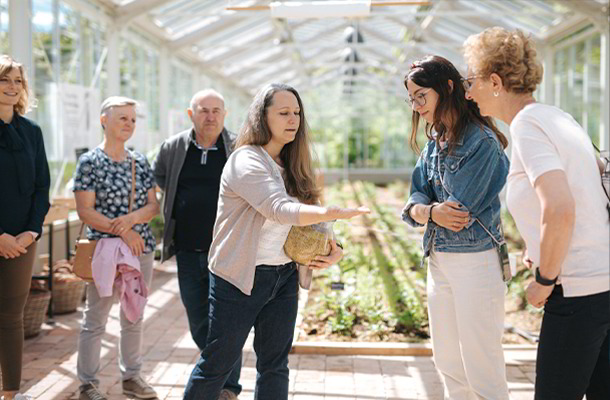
(266, 187)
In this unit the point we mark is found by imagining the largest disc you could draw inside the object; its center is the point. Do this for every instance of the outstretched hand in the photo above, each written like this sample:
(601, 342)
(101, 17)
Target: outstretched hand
(347, 213)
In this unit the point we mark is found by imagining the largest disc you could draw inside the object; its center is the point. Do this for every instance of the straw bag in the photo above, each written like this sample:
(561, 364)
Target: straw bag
(84, 248)
(305, 242)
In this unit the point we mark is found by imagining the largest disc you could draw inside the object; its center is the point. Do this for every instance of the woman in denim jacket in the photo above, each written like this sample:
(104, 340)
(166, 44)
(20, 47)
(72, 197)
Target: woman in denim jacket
(454, 190)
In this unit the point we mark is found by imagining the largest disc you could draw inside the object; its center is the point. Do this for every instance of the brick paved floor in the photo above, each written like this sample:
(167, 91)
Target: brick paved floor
(169, 353)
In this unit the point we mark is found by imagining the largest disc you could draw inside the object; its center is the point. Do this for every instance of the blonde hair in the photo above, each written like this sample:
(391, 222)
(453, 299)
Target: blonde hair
(25, 103)
(510, 54)
(299, 176)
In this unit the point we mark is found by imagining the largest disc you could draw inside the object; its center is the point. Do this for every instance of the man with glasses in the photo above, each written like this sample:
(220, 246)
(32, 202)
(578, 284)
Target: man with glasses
(188, 169)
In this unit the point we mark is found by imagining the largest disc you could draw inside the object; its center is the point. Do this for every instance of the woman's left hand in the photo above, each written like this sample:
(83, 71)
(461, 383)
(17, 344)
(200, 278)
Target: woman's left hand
(538, 294)
(321, 262)
(122, 224)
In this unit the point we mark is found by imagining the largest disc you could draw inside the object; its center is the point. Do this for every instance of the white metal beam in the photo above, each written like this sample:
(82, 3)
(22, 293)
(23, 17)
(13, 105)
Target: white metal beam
(196, 35)
(134, 9)
(20, 32)
(113, 69)
(164, 92)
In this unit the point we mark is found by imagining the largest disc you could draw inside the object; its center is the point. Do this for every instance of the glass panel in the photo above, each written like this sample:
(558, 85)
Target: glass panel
(577, 83)
(5, 45)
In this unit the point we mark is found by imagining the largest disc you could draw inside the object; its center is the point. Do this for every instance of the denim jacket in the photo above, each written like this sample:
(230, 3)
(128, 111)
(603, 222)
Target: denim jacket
(474, 173)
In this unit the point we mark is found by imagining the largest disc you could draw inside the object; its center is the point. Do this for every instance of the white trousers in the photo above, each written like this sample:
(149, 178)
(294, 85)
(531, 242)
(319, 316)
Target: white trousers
(466, 312)
(95, 316)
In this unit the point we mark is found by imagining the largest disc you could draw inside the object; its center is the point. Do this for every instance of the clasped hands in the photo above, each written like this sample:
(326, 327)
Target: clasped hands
(14, 246)
(449, 215)
(121, 226)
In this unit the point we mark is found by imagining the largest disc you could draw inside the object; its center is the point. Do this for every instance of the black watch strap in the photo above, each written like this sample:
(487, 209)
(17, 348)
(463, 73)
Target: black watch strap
(543, 281)
(430, 214)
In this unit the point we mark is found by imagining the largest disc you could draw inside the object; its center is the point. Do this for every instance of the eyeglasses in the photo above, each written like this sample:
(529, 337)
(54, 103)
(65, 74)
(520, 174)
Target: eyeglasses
(467, 82)
(419, 100)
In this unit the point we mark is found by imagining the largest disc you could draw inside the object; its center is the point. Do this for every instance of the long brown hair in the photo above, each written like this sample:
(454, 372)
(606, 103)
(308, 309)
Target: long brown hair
(6, 65)
(435, 72)
(299, 177)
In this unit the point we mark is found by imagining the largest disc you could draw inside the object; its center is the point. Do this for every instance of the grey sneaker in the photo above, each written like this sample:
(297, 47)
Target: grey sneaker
(226, 394)
(90, 392)
(138, 388)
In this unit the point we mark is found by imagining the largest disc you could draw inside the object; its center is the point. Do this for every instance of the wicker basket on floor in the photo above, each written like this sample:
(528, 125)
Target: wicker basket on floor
(35, 309)
(67, 295)
(68, 289)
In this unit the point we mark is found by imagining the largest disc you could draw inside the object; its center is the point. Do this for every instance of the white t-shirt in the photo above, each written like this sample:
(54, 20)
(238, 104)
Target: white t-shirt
(545, 138)
(273, 236)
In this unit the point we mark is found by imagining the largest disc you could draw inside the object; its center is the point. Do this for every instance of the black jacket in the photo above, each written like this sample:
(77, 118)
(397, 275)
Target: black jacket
(24, 177)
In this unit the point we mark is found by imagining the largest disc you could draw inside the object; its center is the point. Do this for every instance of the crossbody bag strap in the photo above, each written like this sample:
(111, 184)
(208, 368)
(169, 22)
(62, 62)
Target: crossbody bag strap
(133, 182)
(440, 176)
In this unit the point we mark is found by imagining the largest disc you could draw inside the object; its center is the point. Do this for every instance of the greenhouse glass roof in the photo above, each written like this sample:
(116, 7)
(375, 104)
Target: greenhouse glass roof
(246, 43)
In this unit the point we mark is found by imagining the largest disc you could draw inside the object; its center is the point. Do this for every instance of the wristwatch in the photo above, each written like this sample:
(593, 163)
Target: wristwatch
(430, 212)
(543, 281)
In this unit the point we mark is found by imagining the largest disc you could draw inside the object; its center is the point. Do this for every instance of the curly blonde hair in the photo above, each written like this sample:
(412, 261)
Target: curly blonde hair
(25, 103)
(510, 54)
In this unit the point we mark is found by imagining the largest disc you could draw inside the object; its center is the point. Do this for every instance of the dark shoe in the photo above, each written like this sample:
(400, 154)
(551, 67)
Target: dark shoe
(138, 388)
(90, 392)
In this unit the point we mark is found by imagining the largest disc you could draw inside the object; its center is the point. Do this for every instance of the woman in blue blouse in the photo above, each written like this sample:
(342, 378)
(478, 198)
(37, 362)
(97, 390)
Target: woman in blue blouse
(454, 190)
(102, 187)
(25, 181)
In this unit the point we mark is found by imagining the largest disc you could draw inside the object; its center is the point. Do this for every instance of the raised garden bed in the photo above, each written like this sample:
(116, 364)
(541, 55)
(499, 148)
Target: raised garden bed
(377, 293)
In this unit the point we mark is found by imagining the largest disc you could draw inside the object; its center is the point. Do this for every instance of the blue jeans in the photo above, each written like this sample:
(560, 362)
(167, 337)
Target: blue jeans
(272, 310)
(194, 281)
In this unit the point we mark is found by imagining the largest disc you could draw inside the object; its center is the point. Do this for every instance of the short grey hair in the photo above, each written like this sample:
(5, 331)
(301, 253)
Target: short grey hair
(116, 101)
(205, 93)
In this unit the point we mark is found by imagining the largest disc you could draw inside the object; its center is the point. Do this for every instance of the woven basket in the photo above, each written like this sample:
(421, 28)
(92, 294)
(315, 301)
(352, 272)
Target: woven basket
(305, 242)
(67, 296)
(35, 309)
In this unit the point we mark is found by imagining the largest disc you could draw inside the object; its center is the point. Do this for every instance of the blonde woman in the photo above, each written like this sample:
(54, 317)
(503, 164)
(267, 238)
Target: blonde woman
(24, 203)
(266, 187)
(102, 187)
(554, 194)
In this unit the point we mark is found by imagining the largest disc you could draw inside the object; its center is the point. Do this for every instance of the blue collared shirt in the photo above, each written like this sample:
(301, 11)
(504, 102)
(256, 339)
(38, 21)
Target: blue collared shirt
(473, 174)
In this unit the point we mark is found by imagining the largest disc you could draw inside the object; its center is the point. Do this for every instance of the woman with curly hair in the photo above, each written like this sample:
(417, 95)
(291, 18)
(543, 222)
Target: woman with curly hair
(555, 196)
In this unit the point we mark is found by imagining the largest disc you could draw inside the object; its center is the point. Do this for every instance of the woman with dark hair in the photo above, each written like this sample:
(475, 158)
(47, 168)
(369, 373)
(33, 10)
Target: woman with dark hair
(24, 203)
(267, 186)
(454, 190)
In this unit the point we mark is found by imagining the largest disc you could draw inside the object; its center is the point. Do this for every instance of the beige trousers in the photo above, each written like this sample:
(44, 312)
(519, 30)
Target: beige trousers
(466, 311)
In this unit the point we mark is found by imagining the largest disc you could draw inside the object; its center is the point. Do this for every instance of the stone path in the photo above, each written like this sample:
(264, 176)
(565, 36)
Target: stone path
(50, 361)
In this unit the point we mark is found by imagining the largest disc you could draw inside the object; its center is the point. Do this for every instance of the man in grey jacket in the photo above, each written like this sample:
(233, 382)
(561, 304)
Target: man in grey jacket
(188, 169)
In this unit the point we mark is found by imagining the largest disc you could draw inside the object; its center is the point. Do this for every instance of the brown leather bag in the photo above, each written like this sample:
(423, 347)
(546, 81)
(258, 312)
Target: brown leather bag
(84, 248)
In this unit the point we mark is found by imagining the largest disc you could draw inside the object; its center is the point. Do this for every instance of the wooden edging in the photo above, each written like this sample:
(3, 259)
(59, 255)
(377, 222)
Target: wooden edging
(362, 349)
(378, 349)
